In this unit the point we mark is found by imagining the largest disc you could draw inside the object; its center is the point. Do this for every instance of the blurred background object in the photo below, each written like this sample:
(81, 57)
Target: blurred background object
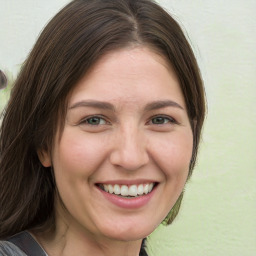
(3, 80)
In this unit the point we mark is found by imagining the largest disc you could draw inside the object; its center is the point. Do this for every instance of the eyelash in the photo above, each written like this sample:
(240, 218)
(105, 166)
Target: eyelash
(169, 119)
(85, 121)
(166, 119)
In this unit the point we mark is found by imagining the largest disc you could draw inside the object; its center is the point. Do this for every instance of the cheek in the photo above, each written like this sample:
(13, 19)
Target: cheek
(173, 154)
(79, 153)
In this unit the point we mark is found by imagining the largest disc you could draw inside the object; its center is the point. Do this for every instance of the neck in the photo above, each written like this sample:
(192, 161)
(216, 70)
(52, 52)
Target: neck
(68, 241)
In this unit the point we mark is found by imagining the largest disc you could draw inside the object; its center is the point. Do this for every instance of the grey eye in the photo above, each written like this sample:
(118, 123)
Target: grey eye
(160, 120)
(95, 120)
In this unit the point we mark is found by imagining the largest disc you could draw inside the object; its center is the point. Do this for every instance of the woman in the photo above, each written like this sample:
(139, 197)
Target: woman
(101, 131)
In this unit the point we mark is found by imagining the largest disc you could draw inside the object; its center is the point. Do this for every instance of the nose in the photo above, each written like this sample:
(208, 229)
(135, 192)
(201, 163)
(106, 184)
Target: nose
(129, 150)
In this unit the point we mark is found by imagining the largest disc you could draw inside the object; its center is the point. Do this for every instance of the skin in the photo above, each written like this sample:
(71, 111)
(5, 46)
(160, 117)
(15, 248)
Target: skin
(125, 143)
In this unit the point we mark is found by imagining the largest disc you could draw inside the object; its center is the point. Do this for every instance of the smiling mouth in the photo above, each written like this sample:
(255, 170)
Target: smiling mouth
(128, 191)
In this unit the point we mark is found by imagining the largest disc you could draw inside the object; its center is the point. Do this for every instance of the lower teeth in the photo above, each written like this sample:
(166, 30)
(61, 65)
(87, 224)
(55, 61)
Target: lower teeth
(127, 196)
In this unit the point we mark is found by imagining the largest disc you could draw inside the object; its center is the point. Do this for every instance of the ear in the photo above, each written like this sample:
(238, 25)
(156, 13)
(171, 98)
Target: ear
(44, 157)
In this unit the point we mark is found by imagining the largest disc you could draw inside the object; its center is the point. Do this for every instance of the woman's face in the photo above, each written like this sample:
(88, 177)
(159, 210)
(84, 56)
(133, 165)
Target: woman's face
(126, 131)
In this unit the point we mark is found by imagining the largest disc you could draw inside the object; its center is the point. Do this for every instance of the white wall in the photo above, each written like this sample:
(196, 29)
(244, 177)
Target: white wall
(218, 213)
(20, 23)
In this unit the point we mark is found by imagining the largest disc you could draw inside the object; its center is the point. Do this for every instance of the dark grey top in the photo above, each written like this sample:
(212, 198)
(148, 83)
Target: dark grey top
(21, 244)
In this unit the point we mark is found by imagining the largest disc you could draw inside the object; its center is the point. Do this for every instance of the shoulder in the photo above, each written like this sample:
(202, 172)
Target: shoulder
(9, 249)
(21, 244)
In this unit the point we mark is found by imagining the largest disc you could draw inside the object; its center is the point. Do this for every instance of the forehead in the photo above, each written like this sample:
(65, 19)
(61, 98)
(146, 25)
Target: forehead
(129, 76)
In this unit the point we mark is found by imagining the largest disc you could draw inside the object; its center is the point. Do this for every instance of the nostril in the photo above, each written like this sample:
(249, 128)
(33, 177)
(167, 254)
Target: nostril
(3, 80)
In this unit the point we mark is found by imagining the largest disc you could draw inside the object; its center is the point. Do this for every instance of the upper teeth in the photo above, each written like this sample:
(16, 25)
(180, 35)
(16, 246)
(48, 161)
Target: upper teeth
(125, 190)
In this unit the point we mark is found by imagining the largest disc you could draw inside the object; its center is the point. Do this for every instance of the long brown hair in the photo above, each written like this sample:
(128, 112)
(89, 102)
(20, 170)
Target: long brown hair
(70, 44)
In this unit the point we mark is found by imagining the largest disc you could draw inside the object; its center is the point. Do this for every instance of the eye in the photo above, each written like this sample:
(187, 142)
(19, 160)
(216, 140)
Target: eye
(94, 120)
(160, 120)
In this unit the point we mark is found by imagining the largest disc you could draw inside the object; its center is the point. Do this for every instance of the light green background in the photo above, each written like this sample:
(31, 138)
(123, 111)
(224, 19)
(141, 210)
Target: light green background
(219, 208)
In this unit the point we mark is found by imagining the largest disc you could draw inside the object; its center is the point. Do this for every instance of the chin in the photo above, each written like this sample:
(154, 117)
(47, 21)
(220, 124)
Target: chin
(129, 233)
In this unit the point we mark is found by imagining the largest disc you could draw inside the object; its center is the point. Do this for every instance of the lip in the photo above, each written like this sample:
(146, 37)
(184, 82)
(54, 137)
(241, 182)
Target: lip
(127, 203)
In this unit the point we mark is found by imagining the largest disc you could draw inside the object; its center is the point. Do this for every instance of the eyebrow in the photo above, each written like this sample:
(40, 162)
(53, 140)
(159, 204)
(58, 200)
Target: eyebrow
(93, 104)
(108, 106)
(162, 104)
